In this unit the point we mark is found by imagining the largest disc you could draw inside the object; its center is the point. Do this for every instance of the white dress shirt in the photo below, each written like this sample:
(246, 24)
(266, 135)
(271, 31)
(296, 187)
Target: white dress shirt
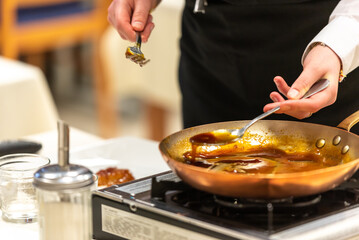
(342, 34)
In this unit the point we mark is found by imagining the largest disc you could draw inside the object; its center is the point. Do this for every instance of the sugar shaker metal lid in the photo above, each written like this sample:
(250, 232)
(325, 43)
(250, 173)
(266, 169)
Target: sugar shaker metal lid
(54, 177)
(63, 176)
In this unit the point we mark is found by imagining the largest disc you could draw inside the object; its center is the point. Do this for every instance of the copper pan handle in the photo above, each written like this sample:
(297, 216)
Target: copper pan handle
(350, 121)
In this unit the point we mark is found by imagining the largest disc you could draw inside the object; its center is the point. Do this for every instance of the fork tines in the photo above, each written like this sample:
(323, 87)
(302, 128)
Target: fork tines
(138, 59)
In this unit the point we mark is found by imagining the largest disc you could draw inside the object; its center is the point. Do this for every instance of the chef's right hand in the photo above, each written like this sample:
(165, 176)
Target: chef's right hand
(131, 16)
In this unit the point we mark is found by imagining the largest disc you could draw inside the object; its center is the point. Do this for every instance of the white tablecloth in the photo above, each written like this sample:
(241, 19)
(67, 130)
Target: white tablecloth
(140, 156)
(26, 104)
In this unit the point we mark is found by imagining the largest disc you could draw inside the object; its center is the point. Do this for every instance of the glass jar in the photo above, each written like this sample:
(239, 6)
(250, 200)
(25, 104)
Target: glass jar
(17, 194)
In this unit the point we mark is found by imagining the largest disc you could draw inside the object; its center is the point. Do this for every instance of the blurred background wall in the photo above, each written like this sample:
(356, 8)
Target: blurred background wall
(94, 87)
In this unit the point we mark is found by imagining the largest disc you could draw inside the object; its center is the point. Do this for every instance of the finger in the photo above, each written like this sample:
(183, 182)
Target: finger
(276, 97)
(270, 106)
(119, 15)
(122, 36)
(305, 80)
(313, 104)
(148, 29)
(109, 15)
(286, 109)
(281, 84)
(140, 15)
(300, 115)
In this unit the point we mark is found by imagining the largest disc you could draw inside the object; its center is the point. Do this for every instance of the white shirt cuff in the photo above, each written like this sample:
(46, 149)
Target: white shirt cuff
(342, 36)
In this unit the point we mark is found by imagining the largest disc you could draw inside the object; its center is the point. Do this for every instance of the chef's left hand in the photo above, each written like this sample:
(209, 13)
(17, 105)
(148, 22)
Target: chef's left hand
(321, 62)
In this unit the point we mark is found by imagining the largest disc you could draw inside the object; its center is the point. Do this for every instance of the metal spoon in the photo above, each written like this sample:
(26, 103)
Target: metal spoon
(233, 135)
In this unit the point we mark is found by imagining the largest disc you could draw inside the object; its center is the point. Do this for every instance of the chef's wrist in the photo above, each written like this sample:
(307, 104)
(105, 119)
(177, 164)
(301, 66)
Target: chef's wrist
(322, 44)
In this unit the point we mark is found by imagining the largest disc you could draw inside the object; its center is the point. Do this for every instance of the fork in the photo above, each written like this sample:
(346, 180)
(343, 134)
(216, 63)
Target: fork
(134, 53)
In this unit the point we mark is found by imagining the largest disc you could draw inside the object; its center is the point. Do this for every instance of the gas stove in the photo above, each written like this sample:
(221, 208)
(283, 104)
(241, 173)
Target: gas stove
(163, 207)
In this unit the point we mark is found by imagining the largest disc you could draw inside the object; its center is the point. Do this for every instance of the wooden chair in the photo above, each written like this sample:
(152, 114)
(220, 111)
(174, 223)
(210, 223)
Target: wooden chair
(36, 26)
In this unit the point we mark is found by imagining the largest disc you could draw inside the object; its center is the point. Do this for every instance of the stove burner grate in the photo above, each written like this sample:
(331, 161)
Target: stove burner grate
(279, 204)
(268, 214)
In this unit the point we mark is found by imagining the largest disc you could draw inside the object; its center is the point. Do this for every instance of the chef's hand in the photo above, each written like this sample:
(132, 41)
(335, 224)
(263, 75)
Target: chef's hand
(321, 62)
(129, 16)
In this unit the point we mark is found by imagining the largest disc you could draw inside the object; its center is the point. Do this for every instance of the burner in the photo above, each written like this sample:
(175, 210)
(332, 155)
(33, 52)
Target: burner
(195, 199)
(278, 204)
(261, 212)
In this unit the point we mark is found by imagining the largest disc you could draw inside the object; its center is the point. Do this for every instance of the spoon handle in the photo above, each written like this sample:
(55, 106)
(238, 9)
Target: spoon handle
(316, 87)
(263, 115)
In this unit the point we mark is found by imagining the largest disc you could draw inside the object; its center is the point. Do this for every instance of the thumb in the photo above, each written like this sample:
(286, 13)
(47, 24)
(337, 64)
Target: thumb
(302, 85)
(140, 15)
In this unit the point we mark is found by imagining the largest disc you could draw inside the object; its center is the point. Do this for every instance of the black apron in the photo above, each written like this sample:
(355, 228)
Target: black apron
(230, 55)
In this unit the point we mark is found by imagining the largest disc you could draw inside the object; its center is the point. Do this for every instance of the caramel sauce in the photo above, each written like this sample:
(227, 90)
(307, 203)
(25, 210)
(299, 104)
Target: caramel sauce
(212, 138)
(204, 138)
(264, 158)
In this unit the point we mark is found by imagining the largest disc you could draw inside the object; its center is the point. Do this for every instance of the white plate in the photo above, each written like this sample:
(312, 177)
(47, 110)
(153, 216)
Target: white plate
(140, 156)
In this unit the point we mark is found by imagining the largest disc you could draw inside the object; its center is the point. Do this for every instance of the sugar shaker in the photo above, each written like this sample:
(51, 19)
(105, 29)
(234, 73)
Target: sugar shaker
(64, 195)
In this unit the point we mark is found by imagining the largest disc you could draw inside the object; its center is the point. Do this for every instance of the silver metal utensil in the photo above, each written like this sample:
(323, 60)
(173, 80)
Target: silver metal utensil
(235, 134)
(135, 54)
(199, 6)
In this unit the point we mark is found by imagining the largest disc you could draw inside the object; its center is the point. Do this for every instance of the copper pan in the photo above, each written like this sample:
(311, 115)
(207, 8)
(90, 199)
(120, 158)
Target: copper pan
(335, 141)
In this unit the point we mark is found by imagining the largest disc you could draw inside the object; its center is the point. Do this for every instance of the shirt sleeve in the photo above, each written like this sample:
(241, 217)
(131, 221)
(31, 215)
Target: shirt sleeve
(342, 34)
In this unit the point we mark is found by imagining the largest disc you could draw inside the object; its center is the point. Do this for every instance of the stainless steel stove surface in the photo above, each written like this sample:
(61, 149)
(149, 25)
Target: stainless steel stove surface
(163, 207)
